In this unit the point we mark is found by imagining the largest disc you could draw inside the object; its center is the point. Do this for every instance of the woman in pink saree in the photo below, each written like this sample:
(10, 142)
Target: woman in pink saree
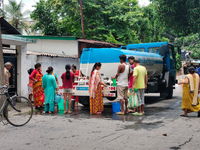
(95, 91)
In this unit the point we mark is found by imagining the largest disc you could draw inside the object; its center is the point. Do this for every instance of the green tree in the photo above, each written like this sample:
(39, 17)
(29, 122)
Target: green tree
(116, 21)
(15, 16)
(104, 20)
(57, 17)
(181, 16)
(190, 43)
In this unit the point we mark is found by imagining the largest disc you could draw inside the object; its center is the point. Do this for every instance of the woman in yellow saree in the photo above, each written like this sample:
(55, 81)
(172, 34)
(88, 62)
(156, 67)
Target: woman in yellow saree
(95, 91)
(38, 91)
(190, 99)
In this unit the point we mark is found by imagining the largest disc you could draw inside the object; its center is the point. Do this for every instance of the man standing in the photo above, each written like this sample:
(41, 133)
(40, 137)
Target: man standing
(140, 80)
(122, 85)
(7, 67)
(187, 56)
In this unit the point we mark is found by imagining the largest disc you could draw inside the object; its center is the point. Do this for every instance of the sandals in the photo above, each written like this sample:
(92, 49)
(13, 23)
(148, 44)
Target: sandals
(182, 115)
(131, 111)
(120, 113)
(137, 114)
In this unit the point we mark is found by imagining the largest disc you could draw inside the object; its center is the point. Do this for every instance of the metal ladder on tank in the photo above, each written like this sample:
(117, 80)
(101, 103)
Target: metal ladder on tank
(86, 75)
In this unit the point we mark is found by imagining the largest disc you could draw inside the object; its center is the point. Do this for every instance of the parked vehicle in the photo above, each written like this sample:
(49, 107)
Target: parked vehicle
(158, 58)
(195, 64)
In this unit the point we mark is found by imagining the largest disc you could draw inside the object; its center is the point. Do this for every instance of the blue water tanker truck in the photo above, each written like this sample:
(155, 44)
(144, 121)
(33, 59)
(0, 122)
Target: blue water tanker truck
(158, 58)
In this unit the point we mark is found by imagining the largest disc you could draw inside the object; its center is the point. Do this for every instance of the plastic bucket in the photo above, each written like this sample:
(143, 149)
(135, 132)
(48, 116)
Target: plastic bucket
(58, 98)
(116, 107)
(61, 104)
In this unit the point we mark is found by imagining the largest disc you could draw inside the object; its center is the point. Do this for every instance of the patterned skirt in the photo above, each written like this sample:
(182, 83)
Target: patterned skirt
(96, 104)
(38, 95)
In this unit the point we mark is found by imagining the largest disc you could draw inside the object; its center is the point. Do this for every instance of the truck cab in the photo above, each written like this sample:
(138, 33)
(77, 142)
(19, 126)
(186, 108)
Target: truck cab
(164, 82)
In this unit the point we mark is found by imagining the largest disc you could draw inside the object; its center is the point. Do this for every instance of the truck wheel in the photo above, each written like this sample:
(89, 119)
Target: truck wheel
(111, 98)
(170, 90)
(84, 100)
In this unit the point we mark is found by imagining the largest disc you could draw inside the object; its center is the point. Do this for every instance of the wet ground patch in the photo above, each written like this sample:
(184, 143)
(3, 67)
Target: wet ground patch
(141, 125)
(84, 113)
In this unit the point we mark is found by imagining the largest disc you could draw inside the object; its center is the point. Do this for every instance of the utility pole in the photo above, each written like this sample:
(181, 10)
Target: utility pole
(82, 22)
(2, 76)
(3, 8)
(2, 5)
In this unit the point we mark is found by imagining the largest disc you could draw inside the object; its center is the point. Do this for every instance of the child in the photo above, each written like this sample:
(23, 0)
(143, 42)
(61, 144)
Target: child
(76, 73)
(30, 86)
(68, 80)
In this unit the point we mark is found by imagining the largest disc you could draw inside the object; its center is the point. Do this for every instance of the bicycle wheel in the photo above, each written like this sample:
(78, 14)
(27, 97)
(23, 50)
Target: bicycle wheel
(19, 111)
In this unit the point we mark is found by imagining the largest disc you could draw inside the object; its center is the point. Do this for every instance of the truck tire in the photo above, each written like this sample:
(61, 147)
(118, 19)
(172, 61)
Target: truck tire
(170, 90)
(111, 98)
(84, 100)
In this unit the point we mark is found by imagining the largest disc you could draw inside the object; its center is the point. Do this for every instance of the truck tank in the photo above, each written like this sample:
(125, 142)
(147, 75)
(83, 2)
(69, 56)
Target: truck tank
(109, 57)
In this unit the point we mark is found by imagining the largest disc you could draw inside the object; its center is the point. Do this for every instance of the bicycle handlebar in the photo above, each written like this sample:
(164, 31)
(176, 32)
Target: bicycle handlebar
(4, 86)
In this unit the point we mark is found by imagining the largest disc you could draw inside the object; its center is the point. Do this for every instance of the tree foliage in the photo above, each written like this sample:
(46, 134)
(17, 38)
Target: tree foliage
(13, 13)
(181, 16)
(190, 43)
(115, 21)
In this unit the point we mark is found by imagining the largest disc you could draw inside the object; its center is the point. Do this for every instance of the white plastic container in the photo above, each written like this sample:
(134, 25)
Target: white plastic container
(178, 89)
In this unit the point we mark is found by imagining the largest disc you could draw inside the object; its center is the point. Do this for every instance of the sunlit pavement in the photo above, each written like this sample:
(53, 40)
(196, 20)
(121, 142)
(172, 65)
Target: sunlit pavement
(82, 131)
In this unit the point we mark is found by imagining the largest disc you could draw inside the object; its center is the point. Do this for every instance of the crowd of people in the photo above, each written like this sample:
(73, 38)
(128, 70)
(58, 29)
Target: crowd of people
(43, 88)
(129, 77)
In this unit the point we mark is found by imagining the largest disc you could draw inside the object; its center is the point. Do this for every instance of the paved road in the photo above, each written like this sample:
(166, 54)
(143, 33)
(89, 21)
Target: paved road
(81, 131)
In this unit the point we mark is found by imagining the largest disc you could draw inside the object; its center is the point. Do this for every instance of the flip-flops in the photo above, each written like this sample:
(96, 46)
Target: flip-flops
(120, 113)
(131, 111)
(183, 115)
(137, 114)
(65, 112)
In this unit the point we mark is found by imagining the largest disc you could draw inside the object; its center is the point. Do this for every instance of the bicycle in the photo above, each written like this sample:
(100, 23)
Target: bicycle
(17, 110)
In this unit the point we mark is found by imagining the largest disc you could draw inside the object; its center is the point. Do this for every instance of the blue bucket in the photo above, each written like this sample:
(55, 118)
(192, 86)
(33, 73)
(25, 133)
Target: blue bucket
(116, 107)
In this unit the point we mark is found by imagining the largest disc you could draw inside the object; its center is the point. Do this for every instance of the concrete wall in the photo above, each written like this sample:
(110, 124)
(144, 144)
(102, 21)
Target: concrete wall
(21, 70)
(69, 47)
(57, 63)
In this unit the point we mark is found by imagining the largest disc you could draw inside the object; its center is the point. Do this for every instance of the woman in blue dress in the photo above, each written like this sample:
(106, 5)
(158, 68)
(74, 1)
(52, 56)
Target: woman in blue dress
(49, 85)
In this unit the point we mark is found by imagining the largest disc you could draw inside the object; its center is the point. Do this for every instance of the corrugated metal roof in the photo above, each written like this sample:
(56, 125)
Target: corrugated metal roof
(50, 54)
(99, 42)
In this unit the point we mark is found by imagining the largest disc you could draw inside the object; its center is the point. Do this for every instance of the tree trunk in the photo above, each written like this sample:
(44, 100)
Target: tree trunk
(2, 76)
